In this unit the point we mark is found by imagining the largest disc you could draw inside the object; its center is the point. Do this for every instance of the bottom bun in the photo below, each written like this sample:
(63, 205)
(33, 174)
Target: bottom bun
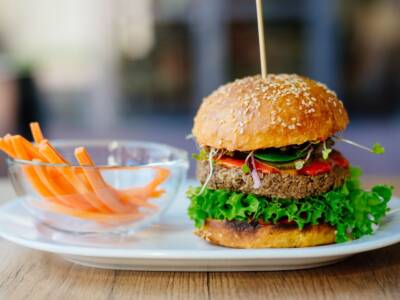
(238, 234)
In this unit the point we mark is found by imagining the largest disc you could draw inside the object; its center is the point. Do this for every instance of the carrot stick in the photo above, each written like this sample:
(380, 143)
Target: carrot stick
(36, 132)
(54, 172)
(18, 145)
(29, 171)
(161, 176)
(50, 185)
(149, 191)
(53, 156)
(35, 174)
(47, 177)
(67, 195)
(69, 175)
(52, 152)
(6, 148)
(140, 196)
(112, 219)
(108, 196)
(32, 151)
(80, 192)
(7, 140)
(58, 187)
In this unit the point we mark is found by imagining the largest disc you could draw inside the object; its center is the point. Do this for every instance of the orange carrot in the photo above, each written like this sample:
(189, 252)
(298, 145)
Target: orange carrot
(18, 145)
(67, 194)
(140, 195)
(38, 185)
(32, 151)
(52, 154)
(82, 191)
(7, 140)
(108, 196)
(69, 175)
(50, 185)
(36, 132)
(9, 150)
(92, 216)
(149, 191)
(53, 171)
(47, 176)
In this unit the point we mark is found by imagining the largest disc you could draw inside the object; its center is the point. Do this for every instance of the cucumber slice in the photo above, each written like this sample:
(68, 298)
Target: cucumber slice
(279, 156)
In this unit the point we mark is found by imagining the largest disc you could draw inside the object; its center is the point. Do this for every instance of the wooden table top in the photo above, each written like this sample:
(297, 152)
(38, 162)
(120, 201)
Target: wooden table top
(29, 274)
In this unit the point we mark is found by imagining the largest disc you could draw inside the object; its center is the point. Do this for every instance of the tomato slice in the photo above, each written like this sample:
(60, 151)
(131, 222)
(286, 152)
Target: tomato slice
(339, 160)
(315, 168)
(238, 163)
(231, 162)
(265, 168)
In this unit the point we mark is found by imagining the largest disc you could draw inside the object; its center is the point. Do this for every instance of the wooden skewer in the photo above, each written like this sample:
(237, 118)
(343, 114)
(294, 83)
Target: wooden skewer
(261, 38)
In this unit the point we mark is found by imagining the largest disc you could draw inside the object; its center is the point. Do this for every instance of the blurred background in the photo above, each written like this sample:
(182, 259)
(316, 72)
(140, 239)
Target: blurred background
(138, 69)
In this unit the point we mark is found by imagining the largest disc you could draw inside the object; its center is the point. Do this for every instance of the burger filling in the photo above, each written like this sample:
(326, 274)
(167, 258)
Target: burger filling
(306, 184)
(311, 158)
(279, 185)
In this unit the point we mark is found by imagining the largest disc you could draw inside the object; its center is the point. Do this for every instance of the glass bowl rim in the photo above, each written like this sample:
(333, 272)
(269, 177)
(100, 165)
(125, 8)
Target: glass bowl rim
(182, 155)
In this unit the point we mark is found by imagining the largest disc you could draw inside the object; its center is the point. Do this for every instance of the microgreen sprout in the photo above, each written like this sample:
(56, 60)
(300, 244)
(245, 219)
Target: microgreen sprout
(300, 163)
(325, 151)
(202, 155)
(246, 169)
(211, 154)
(246, 166)
(376, 148)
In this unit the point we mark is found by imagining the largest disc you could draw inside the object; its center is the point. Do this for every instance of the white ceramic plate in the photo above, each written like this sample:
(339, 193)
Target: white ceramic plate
(171, 246)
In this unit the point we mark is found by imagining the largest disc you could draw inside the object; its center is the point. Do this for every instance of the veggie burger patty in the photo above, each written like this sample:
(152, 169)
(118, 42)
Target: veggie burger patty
(272, 185)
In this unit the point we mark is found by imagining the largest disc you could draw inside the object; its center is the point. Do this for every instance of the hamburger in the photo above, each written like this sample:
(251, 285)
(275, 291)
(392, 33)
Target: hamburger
(269, 172)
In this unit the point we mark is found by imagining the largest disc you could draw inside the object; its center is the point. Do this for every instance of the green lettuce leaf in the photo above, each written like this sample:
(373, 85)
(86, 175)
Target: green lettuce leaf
(352, 210)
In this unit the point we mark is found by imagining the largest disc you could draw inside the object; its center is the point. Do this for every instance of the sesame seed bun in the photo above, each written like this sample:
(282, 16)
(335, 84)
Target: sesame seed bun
(238, 234)
(255, 113)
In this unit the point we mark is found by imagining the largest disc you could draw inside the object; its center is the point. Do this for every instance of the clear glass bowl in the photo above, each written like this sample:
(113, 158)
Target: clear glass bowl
(130, 187)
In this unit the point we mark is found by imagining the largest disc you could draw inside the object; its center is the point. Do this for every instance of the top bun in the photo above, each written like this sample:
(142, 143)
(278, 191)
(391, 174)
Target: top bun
(255, 113)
